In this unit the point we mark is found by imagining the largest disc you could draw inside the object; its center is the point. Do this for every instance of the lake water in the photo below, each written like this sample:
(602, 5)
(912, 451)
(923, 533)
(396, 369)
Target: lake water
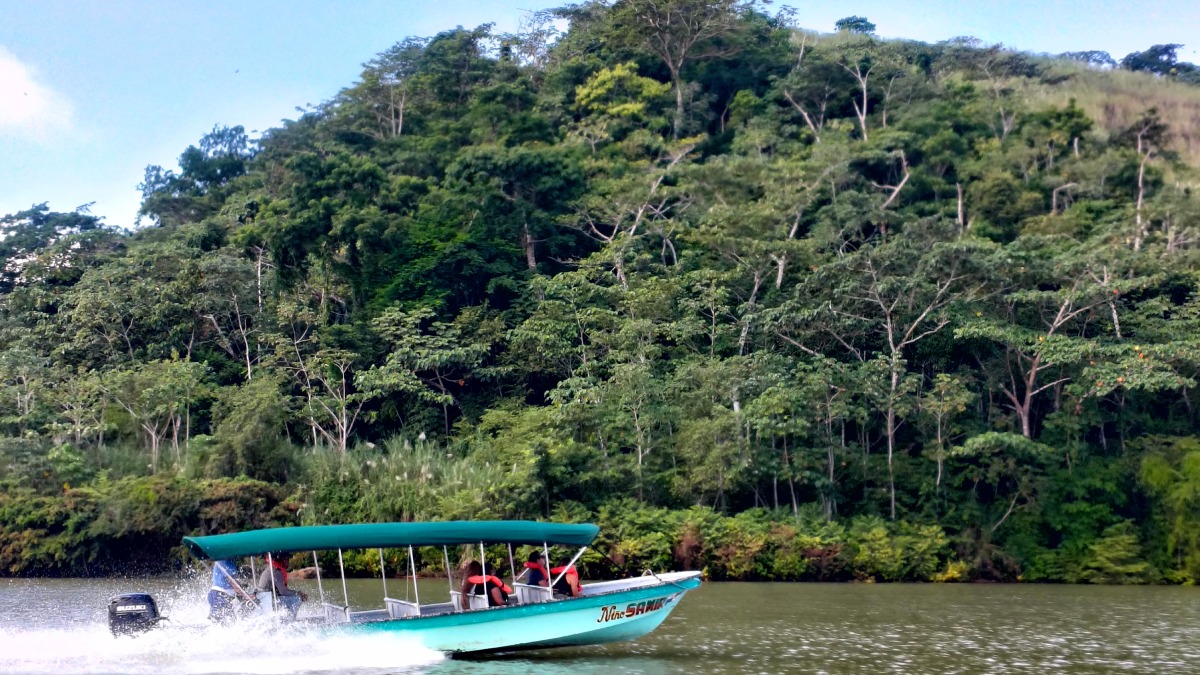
(59, 626)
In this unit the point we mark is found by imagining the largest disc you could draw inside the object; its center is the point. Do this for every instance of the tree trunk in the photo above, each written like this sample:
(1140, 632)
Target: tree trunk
(1140, 230)
(527, 243)
(678, 103)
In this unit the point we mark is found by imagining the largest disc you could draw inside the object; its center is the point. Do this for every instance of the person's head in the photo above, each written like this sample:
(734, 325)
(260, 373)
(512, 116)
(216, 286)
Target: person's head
(281, 557)
(535, 556)
(474, 568)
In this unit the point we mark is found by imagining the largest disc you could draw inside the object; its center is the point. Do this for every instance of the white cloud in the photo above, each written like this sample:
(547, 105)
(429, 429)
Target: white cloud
(29, 108)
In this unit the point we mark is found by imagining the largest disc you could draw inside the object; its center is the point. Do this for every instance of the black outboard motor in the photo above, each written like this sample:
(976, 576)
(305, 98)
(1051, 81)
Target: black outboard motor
(132, 614)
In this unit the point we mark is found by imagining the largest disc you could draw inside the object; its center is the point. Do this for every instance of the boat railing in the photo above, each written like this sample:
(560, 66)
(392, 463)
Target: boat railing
(398, 609)
(336, 613)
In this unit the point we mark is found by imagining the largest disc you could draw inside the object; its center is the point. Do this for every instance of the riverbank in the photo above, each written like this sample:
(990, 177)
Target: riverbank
(133, 527)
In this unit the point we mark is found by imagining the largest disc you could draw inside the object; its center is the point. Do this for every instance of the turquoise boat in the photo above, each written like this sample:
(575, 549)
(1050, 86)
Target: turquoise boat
(535, 617)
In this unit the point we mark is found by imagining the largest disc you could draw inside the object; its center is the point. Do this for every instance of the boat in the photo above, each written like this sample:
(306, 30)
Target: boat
(535, 617)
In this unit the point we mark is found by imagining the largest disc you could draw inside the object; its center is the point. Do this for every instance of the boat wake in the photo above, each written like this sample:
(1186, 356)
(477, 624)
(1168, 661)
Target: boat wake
(190, 644)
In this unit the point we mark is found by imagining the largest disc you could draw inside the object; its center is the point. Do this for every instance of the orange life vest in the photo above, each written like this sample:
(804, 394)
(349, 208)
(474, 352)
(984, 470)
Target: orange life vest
(476, 579)
(554, 570)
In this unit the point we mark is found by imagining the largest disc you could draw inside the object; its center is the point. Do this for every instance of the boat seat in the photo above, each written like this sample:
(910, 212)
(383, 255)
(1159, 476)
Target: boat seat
(398, 609)
(336, 613)
(528, 594)
(475, 601)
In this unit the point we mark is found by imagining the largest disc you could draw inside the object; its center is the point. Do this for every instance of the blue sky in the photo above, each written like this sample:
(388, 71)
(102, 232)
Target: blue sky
(91, 92)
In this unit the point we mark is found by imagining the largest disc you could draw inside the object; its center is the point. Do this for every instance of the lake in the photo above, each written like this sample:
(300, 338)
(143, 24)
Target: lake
(59, 626)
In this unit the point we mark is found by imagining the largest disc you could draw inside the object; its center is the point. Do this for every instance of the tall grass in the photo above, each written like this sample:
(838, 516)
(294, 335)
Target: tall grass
(1116, 98)
(401, 481)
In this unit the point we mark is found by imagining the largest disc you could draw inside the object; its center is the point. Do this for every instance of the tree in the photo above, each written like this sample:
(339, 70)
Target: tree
(946, 398)
(224, 155)
(1148, 136)
(855, 24)
(249, 422)
(680, 32)
(334, 405)
(619, 211)
(1158, 60)
(526, 185)
(999, 466)
(387, 84)
(429, 364)
(26, 235)
(812, 83)
(158, 396)
(862, 57)
(226, 309)
(1092, 58)
(1044, 327)
(1171, 471)
(899, 292)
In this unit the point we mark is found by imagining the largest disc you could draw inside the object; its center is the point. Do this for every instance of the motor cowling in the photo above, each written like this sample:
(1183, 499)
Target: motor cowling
(132, 613)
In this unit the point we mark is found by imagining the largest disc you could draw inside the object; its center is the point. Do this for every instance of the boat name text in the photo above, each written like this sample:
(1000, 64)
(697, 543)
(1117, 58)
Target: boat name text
(611, 613)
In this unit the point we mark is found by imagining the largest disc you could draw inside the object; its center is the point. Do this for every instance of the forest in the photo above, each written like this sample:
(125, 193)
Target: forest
(770, 302)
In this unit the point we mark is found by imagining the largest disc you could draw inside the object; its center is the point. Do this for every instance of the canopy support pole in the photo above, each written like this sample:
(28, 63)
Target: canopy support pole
(320, 588)
(483, 572)
(412, 563)
(342, 569)
(383, 573)
(512, 566)
(271, 573)
(564, 572)
(449, 575)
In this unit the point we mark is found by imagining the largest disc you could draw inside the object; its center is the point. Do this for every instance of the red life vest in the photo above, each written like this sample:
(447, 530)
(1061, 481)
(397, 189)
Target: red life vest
(555, 570)
(476, 579)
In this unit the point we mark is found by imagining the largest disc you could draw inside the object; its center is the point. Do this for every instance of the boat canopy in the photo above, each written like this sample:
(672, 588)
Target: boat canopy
(388, 535)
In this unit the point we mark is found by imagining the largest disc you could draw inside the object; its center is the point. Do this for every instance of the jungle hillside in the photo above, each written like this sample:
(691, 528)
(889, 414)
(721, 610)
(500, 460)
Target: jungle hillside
(770, 302)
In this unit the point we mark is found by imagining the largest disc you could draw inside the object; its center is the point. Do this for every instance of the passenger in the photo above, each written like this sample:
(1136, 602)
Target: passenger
(224, 592)
(278, 571)
(477, 584)
(538, 576)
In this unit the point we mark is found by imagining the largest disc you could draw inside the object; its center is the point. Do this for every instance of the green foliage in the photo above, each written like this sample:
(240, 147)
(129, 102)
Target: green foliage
(1116, 558)
(765, 302)
(128, 526)
(1172, 473)
(855, 24)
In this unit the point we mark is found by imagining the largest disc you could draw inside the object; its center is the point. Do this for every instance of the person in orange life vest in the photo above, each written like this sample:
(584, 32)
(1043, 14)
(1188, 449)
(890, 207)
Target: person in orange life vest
(538, 576)
(288, 597)
(477, 584)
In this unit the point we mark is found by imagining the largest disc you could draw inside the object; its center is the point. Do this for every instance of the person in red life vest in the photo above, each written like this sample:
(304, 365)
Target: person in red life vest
(476, 583)
(538, 576)
(278, 570)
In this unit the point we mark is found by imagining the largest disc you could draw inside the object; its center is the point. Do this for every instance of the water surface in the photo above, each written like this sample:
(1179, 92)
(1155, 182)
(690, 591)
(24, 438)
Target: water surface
(59, 626)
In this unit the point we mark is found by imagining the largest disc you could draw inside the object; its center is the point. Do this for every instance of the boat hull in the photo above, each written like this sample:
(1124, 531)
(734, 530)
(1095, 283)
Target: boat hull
(623, 614)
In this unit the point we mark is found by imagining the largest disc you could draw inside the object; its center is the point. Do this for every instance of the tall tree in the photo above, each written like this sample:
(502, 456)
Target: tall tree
(680, 32)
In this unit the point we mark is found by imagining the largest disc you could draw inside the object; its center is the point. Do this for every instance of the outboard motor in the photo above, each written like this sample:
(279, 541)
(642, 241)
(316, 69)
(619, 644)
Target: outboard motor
(132, 614)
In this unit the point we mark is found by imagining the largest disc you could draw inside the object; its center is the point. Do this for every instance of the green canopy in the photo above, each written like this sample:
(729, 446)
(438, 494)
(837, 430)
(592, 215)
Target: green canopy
(388, 535)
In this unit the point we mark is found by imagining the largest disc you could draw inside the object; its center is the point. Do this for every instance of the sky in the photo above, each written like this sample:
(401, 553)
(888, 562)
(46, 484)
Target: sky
(92, 92)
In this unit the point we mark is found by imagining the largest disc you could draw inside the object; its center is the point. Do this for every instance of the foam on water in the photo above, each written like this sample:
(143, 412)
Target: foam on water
(215, 650)
(189, 644)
